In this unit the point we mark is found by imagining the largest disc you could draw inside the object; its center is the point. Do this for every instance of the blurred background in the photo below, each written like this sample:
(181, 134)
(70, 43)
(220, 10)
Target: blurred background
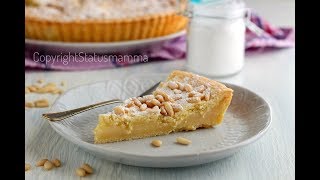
(88, 45)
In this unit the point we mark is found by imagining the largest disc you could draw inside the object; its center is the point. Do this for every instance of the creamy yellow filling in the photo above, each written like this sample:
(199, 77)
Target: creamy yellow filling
(113, 128)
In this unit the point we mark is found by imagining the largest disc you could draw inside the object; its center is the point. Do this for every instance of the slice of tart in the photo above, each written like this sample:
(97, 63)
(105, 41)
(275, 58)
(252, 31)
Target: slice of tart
(183, 102)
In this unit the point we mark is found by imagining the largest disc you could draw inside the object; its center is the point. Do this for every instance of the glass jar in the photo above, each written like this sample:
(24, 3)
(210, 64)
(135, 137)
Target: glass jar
(216, 37)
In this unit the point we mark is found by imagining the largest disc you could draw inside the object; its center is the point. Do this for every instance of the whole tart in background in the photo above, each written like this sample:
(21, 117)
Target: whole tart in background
(101, 20)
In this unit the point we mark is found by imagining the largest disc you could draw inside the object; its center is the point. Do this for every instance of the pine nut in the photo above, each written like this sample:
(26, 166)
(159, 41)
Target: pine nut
(156, 108)
(26, 91)
(32, 88)
(45, 90)
(48, 165)
(87, 168)
(168, 108)
(181, 86)
(136, 102)
(29, 104)
(143, 107)
(155, 102)
(41, 162)
(159, 98)
(118, 110)
(130, 104)
(80, 172)
(177, 97)
(164, 95)
(207, 95)
(183, 141)
(148, 97)
(149, 103)
(188, 88)
(156, 143)
(27, 167)
(194, 93)
(56, 162)
(141, 99)
(172, 85)
(56, 91)
(194, 100)
(176, 107)
(163, 111)
(200, 89)
(177, 91)
(41, 103)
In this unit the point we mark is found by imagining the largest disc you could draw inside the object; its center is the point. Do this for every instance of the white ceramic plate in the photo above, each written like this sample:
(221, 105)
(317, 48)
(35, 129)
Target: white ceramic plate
(246, 120)
(99, 47)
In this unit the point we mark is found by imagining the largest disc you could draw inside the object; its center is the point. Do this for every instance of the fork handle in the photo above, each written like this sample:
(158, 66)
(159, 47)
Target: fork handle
(58, 116)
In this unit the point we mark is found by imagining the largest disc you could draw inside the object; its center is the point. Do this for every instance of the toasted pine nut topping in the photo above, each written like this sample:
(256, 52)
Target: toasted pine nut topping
(118, 110)
(188, 87)
(194, 99)
(168, 108)
(163, 111)
(149, 103)
(156, 102)
(177, 91)
(148, 97)
(136, 102)
(181, 86)
(164, 95)
(200, 89)
(207, 95)
(172, 85)
(143, 107)
(130, 104)
(159, 98)
(176, 107)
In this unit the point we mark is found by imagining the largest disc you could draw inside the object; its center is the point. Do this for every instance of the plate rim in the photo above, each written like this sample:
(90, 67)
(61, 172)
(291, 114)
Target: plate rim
(95, 148)
(104, 44)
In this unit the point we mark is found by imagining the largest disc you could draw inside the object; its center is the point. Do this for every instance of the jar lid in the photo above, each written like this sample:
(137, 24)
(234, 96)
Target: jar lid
(226, 9)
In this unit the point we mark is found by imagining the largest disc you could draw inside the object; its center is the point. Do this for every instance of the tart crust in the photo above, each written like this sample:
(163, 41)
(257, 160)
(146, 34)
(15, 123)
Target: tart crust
(203, 114)
(104, 30)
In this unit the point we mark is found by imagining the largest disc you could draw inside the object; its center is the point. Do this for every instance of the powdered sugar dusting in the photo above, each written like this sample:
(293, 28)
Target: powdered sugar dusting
(68, 10)
(179, 93)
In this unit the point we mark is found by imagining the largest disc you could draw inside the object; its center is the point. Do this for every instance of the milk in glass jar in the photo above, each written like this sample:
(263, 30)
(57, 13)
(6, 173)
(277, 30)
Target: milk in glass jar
(216, 37)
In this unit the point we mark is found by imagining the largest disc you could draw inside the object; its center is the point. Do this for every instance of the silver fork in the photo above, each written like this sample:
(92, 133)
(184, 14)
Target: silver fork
(58, 116)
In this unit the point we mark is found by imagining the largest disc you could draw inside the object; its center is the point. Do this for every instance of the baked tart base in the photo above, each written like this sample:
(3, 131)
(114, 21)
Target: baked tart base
(200, 105)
